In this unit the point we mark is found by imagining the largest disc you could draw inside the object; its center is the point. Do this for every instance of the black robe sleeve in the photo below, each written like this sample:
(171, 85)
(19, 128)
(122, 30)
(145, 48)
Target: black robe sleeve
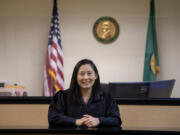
(112, 114)
(56, 113)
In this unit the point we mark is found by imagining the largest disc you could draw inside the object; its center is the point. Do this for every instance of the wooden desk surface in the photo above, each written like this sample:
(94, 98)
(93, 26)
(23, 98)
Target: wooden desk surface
(121, 101)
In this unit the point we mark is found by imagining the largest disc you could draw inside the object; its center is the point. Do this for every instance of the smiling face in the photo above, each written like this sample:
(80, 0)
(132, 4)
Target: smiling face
(86, 77)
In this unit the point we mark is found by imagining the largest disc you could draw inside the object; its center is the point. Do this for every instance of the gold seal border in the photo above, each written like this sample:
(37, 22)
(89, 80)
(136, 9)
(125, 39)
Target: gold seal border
(101, 19)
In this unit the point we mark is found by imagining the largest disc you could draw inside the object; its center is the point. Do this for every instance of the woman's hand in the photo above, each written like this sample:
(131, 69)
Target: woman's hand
(80, 122)
(91, 121)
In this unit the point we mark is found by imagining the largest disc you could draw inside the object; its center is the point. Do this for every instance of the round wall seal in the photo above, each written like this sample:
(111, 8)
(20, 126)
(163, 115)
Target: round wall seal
(106, 29)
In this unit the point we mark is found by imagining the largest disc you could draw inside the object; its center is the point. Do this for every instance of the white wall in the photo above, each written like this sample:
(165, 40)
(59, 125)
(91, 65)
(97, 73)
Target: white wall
(24, 27)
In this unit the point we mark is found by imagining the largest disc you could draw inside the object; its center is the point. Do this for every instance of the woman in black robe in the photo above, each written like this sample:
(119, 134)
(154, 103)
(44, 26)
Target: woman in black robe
(84, 104)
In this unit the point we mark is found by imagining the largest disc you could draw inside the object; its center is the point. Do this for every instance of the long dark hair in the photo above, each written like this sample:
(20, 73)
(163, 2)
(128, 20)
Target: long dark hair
(75, 93)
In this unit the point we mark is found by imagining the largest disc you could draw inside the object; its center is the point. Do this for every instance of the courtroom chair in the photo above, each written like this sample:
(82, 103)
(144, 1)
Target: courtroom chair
(105, 86)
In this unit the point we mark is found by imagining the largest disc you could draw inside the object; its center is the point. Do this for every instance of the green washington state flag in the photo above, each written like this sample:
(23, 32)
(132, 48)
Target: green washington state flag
(151, 61)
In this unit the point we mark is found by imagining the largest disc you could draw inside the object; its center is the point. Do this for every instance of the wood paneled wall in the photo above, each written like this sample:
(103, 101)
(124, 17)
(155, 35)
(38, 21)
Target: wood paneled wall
(155, 116)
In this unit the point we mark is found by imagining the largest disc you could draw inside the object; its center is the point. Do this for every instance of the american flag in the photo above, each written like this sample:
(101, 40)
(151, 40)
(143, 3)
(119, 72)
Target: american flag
(53, 71)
